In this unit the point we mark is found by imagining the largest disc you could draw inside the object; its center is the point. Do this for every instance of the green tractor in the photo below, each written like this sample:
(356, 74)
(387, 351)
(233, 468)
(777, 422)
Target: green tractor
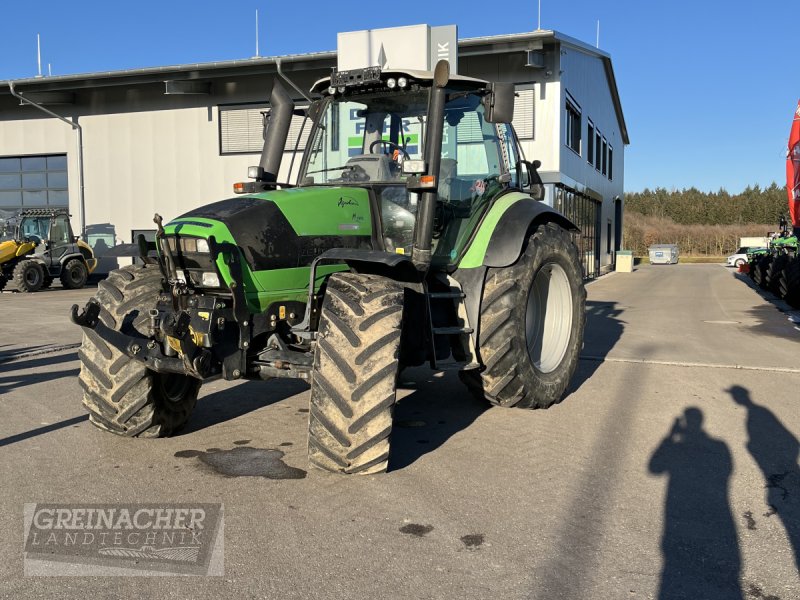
(421, 240)
(774, 269)
(38, 246)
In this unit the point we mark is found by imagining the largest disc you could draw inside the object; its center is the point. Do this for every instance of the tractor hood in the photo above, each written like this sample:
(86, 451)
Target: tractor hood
(284, 229)
(10, 249)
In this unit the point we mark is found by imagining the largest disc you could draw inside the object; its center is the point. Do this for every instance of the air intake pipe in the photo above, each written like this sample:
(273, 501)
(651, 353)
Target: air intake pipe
(280, 118)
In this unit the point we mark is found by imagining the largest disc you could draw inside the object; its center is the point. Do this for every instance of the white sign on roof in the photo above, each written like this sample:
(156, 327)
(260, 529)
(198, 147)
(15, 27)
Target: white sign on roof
(416, 47)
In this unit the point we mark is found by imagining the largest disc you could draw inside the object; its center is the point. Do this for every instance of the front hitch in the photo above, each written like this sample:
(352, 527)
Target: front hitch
(196, 361)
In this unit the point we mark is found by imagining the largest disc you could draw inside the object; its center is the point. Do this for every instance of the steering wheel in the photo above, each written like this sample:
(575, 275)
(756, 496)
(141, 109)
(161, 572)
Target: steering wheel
(32, 237)
(392, 146)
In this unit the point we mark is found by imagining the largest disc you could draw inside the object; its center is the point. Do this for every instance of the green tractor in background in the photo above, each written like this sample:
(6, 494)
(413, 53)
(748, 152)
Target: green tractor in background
(421, 240)
(38, 246)
(777, 269)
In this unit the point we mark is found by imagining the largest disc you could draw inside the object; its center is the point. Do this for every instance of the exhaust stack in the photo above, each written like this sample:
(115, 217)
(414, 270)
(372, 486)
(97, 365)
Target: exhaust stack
(280, 118)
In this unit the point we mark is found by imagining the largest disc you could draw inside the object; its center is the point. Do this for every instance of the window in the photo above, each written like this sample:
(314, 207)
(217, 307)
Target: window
(605, 156)
(590, 143)
(523, 120)
(31, 181)
(242, 128)
(573, 125)
(610, 162)
(598, 143)
(608, 237)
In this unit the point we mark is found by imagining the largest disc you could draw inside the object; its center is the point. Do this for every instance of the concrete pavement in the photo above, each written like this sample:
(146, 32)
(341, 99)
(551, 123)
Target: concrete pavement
(669, 471)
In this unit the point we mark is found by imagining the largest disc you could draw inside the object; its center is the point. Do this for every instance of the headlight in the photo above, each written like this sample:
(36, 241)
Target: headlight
(391, 83)
(402, 82)
(210, 280)
(202, 245)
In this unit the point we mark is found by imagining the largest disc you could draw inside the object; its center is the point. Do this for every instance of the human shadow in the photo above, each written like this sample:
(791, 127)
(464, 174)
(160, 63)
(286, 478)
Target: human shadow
(238, 400)
(425, 419)
(602, 332)
(699, 544)
(775, 449)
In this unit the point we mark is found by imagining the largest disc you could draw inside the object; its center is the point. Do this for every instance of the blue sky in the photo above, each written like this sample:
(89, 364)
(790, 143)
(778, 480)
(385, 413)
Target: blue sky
(708, 87)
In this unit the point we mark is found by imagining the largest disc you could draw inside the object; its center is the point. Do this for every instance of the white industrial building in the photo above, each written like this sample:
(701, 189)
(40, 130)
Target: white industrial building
(169, 139)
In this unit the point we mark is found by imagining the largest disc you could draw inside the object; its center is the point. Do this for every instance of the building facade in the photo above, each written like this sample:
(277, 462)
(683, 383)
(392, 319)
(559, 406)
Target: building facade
(169, 139)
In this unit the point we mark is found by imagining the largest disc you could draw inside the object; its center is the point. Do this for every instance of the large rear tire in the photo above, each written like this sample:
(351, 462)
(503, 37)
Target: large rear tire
(790, 283)
(28, 276)
(531, 324)
(773, 273)
(760, 271)
(120, 393)
(74, 274)
(353, 388)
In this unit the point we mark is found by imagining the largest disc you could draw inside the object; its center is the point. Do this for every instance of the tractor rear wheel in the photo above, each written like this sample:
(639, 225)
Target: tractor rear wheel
(28, 276)
(120, 393)
(531, 324)
(773, 273)
(760, 271)
(790, 283)
(353, 387)
(74, 274)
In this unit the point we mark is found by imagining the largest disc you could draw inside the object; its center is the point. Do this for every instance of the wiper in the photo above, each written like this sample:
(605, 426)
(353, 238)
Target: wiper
(351, 167)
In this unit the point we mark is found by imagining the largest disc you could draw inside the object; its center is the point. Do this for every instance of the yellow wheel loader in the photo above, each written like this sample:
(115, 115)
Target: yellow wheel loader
(37, 246)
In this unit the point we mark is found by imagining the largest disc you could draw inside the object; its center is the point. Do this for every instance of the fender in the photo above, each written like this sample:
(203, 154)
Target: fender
(503, 232)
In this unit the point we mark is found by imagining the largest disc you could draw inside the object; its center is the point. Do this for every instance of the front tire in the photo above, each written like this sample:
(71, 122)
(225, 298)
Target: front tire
(790, 283)
(353, 388)
(28, 276)
(121, 394)
(74, 274)
(531, 324)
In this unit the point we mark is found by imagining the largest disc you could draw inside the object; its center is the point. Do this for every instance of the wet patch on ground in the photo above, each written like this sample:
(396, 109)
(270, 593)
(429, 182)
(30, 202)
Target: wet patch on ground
(242, 442)
(473, 541)
(749, 520)
(244, 461)
(416, 530)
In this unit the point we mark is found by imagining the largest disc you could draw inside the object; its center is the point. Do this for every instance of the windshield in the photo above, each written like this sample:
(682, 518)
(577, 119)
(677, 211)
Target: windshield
(35, 228)
(366, 139)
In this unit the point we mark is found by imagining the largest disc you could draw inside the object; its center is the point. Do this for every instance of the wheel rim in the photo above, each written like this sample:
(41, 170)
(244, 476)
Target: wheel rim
(548, 319)
(75, 274)
(174, 387)
(32, 277)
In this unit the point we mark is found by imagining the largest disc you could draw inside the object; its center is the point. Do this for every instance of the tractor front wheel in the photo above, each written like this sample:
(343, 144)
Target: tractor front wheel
(760, 271)
(121, 394)
(74, 274)
(28, 276)
(353, 386)
(531, 324)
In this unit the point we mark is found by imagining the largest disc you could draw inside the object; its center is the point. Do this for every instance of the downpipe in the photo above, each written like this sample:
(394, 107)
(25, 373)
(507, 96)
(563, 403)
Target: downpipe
(74, 124)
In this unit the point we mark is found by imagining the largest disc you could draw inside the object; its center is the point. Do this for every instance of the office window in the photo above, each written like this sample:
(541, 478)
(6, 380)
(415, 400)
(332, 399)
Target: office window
(590, 143)
(610, 162)
(598, 144)
(573, 125)
(605, 156)
(33, 181)
(523, 120)
(242, 128)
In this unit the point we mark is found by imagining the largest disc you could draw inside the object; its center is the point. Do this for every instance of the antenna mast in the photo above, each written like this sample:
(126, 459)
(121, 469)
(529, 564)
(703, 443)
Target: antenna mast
(539, 25)
(257, 54)
(598, 34)
(39, 54)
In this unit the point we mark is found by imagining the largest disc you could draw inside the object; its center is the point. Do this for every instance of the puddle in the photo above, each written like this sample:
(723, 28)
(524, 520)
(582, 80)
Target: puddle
(244, 461)
(416, 530)
(473, 541)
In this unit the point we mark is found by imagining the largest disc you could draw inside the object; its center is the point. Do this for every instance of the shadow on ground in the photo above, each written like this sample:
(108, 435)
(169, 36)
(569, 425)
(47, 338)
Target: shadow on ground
(765, 314)
(425, 419)
(699, 543)
(238, 400)
(603, 330)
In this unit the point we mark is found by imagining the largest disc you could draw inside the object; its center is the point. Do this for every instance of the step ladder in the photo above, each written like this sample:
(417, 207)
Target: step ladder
(447, 316)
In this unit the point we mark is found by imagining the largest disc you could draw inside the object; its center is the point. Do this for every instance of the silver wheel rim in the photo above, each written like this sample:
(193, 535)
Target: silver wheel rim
(548, 319)
(32, 277)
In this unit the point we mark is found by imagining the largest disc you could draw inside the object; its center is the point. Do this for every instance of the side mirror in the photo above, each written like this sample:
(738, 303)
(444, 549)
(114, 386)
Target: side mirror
(498, 104)
(529, 178)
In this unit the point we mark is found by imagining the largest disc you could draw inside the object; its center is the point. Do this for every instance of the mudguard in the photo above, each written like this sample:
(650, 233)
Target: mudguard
(502, 234)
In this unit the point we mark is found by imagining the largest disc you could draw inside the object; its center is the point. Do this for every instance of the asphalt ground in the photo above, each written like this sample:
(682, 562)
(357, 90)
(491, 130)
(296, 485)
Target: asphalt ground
(669, 471)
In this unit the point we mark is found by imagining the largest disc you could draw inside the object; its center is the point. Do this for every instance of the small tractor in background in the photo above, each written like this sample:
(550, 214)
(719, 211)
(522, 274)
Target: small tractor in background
(37, 246)
(421, 240)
